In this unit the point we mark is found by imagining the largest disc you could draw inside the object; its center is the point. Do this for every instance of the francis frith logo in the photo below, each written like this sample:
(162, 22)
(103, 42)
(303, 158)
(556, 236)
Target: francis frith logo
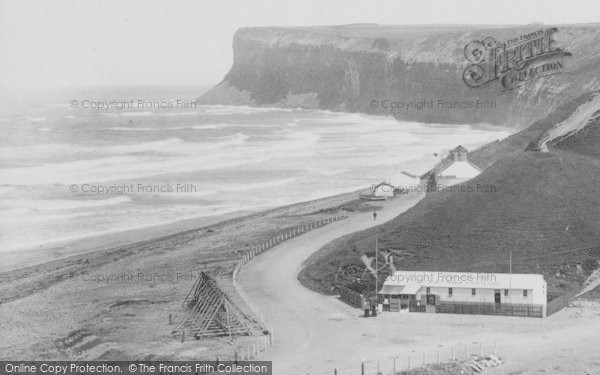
(514, 62)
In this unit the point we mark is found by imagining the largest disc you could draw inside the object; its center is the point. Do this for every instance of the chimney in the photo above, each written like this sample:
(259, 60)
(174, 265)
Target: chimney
(459, 154)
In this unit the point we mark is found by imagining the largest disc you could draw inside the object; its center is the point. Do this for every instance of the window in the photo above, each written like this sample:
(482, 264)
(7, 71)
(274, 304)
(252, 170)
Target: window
(524, 292)
(428, 290)
(450, 292)
(505, 292)
(473, 292)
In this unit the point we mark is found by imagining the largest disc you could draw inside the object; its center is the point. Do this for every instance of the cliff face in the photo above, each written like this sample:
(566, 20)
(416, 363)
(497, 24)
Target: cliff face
(357, 68)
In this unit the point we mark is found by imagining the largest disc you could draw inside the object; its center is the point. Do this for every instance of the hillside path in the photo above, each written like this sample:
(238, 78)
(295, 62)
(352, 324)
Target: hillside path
(312, 332)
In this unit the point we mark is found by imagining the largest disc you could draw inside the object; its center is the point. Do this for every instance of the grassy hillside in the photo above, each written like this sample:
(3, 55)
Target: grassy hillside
(544, 207)
(584, 142)
(516, 143)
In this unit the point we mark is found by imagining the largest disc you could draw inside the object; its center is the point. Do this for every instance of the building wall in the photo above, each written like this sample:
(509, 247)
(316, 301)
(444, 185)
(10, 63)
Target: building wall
(481, 295)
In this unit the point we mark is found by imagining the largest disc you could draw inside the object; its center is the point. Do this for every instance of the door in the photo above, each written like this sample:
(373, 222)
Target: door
(497, 298)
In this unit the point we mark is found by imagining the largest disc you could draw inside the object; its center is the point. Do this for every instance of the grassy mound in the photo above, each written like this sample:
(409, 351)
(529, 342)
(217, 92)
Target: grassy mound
(544, 207)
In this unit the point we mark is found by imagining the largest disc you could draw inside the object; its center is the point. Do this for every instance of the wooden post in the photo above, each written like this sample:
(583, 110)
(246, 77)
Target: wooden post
(183, 336)
(170, 319)
(409, 361)
(394, 367)
(335, 371)
(362, 368)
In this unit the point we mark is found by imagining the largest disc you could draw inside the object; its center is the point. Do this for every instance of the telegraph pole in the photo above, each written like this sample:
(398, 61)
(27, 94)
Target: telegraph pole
(510, 276)
(376, 259)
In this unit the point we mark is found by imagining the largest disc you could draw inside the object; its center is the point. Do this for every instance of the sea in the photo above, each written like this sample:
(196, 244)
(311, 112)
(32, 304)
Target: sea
(92, 161)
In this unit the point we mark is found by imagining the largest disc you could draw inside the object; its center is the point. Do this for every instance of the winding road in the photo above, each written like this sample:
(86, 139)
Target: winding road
(314, 333)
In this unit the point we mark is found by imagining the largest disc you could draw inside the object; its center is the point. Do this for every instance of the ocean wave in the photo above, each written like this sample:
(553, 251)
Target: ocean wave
(135, 114)
(59, 204)
(258, 185)
(245, 110)
(192, 127)
(235, 138)
(173, 155)
(174, 114)
(126, 129)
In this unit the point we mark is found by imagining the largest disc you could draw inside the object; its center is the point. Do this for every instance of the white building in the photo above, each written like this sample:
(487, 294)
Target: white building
(404, 180)
(453, 169)
(380, 191)
(465, 292)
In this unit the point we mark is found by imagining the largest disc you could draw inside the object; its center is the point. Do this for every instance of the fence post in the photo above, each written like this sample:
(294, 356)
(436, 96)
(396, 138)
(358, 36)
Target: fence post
(362, 368)
(409, 361)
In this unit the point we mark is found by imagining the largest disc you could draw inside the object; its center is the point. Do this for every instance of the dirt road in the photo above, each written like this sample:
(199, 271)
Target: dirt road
(304, 322)
(315, 333)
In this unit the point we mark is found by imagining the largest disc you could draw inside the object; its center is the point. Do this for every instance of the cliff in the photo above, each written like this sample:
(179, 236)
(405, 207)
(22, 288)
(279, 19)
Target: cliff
(347, 68)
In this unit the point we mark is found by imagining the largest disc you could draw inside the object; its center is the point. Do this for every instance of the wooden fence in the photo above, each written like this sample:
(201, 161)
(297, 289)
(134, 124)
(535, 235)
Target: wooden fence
(558, 303)
(351, 297)
(533, 311)
(250, 351)
(415, 359)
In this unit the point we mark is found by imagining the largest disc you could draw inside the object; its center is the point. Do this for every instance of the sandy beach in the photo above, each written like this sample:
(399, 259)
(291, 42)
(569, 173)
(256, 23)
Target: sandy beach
(113, 302)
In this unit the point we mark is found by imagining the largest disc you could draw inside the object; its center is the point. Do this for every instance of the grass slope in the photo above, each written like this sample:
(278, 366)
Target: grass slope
(544, 207)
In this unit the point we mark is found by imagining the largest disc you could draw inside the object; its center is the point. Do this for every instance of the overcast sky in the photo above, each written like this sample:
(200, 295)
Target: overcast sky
(49, 44)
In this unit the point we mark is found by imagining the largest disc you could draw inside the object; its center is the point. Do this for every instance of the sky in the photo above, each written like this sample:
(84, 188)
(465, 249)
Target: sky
(69, 43)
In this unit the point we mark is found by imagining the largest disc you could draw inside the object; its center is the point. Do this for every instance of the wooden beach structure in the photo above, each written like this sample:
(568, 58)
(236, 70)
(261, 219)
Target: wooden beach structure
(210, 312)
